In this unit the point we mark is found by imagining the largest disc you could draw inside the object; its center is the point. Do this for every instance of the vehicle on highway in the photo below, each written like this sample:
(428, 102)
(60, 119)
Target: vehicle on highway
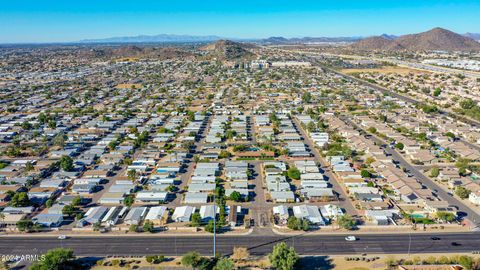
(351, 238)
(62, 237)
(455, 244)
(435, 238)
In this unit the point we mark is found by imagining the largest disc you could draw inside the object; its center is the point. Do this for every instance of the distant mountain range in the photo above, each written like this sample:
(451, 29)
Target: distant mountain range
(166, 38)
(154, 39)
(475, 36)
(384, 40)
(387, 36)
(282, 40)
(436, 39)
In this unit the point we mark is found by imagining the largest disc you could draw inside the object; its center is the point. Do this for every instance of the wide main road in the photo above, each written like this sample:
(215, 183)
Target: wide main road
(257, 245)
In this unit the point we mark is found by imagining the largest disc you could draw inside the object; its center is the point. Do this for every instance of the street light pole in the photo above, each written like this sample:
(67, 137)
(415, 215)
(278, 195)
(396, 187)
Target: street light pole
(214, 227)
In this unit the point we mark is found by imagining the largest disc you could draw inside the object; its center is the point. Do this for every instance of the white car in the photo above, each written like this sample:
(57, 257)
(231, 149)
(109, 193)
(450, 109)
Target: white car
(62, 237)
(351, 238)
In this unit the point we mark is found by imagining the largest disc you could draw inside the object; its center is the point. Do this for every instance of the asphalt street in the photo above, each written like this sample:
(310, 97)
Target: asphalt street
(345, 202)
(257, 245)
(427, 182)
(392, 93)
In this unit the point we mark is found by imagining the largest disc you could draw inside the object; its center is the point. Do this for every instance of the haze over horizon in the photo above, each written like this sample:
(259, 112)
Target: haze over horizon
(59, 21)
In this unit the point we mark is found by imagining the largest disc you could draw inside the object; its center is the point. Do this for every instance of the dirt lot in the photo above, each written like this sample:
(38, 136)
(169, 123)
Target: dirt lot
(354, 262)
(384, 70)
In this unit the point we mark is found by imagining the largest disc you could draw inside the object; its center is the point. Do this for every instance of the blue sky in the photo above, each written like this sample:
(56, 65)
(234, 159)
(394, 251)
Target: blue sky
(70, 20)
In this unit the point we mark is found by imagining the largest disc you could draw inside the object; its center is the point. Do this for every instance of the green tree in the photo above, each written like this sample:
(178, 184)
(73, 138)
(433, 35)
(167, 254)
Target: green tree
(311, 126)
(77, 201)
(365, 174)
(210, 226)
(129, 200)
(434, 172)
(294, 223)
(69, 210)
(131, 174)
(429, 108)
(400, 146)
(29, 166)
(49, 203)
(463, 165)
(59, 139)
(346, 222)
(225, 264)
(236, 196)
(307, 97)
(283, 257)
(382, 118)
(148, 226)
(462, 192)
(446, 216)
(24, 225)
(27, 125)
(372, 130)
(20, 199)
(54, 259)
(468, 104)
(437, 92)
(191, 259)
(293, 173)
(52, 124)
(66, 163)
(133, 228)
(305, 224)
(466, 262)
(13, 151)
(451, 135)
(196, 220)
(155, 258)
(224, 154)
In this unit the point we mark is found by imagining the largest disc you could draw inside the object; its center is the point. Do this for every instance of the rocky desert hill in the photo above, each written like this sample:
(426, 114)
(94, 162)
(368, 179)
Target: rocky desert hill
(229, 50)
(436, 39)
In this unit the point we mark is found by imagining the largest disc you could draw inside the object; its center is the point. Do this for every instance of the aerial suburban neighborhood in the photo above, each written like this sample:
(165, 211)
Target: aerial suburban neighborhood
(203, 152)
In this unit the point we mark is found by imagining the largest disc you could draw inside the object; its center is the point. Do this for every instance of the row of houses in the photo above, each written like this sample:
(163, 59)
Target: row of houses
(316, 215)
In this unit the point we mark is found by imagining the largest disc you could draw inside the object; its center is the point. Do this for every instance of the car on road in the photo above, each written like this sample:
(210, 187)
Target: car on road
(351, 238)
(62, 237)
(435, 238)
(455, 244)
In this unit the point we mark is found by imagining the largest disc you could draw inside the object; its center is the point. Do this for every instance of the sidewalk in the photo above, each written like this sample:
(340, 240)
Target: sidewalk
(379, 230)
(124, 234)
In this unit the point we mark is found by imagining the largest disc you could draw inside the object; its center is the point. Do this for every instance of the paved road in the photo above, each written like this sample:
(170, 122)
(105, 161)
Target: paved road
(427, 182)
(344, 201)
(257, 245)
(392, 93)
(185, 176)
